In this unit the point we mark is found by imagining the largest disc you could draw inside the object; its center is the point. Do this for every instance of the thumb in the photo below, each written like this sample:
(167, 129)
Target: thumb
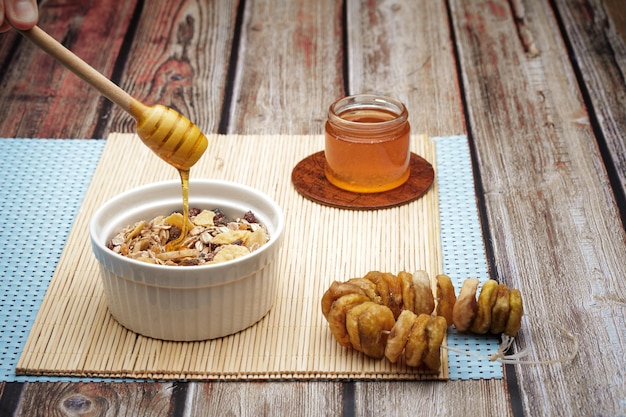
(22, 14)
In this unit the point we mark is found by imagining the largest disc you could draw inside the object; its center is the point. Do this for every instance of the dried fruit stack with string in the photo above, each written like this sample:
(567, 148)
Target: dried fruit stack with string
(384, 315)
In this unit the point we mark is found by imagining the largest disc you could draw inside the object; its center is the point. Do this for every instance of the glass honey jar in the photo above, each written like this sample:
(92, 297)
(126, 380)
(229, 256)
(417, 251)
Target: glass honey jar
(367, 143)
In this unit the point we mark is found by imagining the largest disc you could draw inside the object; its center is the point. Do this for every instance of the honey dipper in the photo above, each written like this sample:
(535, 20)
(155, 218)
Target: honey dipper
(170, 135)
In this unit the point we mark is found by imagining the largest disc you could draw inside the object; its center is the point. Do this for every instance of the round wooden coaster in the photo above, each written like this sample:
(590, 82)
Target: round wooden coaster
(309, 179)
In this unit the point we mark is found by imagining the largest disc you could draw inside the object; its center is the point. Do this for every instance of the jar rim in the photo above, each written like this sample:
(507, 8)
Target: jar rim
(368, 102)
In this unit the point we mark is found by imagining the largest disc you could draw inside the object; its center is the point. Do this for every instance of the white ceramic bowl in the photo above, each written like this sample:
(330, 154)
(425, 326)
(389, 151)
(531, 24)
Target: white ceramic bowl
(185, 303)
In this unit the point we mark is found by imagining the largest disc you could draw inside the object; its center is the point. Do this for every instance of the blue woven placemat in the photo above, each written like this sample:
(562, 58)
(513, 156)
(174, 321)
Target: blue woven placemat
(43, 183)
(463, 251)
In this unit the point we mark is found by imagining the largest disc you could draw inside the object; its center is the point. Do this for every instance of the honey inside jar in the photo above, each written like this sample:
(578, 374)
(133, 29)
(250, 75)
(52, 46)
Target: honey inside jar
(367, 144)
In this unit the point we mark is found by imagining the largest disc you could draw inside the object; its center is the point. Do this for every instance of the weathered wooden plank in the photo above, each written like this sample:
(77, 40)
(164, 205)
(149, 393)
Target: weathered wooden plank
(9, 397)
(40, 97)
(188, 71)
(289, 67)
(597, 34)
(451, 399)
(179, 58)
(265, 399)
(553, 223)
(96, 399)
(9, 41)
(404, 49)
(615, 9)
(190, 74)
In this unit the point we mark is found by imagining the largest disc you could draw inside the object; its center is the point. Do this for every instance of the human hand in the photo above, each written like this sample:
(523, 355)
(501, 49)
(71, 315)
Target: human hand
(23, 14)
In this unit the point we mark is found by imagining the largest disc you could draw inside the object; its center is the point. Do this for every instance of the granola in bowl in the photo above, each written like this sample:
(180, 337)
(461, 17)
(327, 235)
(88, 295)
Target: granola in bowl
(212, 238)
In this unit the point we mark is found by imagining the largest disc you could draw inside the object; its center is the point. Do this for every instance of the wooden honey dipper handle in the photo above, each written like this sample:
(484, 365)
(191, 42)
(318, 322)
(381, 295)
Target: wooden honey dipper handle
(79, 67)
(173, 137)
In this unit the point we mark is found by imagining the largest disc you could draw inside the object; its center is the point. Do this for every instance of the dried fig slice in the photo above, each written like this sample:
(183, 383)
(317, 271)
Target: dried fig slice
(514, 323)
(466, 307)
(373, 323)
(500, 310)
(395, 293)
(424, 299)
(368, 287)
(337, 316)
(486, 300)
(435, 331)
(382, 288)
(336, 290)
(399, 335)
(408, 292)
(446, 297)
(417, 344)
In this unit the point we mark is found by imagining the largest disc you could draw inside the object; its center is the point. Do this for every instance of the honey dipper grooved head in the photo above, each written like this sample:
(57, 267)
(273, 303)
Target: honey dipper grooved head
(172, 136)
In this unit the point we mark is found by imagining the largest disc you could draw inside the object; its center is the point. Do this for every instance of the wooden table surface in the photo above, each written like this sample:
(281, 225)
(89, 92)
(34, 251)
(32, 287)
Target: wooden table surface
(538, 86)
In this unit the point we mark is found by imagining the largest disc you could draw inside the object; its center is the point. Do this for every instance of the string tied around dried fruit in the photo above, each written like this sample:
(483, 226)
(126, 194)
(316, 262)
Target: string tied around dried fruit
(517, 358)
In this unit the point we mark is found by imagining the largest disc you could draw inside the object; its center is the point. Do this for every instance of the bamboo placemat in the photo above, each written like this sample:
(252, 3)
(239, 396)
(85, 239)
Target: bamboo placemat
(74, 335)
